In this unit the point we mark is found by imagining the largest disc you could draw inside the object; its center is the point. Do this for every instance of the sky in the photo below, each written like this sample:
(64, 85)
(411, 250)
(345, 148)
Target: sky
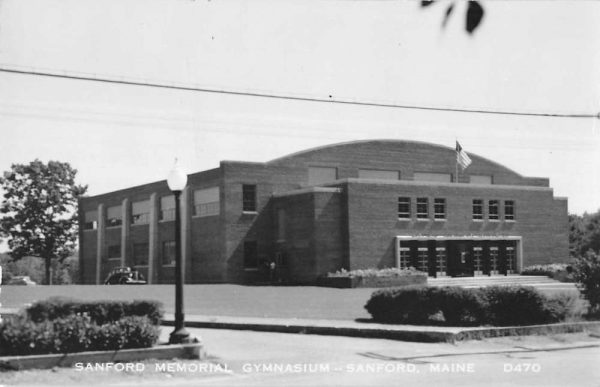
(527, 56)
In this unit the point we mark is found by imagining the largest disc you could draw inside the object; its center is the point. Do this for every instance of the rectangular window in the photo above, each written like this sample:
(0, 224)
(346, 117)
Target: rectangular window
(167, 208)
(113, 216)
(493, 260)
(429, 176)
(321, 175)
(404, 257)
(493, 210)
(404, 208)
(439, 208)
(511, 262)
(480, 179)
(478, 260)
(248, 198)
(206, 202)
(250, 255)
(509, 210)
(90, 220)
(114, 251)
(422, 208)
(440, 261)
(378, 174)
(168, 253)
(423, 260)
(140, 254)
(140, 212)
(477, 209)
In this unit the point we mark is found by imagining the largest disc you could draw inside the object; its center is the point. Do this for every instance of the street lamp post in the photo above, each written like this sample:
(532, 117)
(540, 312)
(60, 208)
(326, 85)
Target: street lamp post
(177, 180)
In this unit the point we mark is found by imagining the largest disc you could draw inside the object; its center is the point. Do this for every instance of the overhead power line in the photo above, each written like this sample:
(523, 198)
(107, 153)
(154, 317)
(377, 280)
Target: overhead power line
(132, 82)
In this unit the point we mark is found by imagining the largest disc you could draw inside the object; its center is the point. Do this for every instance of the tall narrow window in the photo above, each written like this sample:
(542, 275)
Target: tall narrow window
(509, 210)
(404, 257)
(477, 260)
(206, 202)
(90, 220)
(168, 253)
(440, 261)
(140, 254)
(404, 208)
(422, 208)
(494, 264)
(423, 259)
(140, 212)
(511, 261)
(493, 210)
(167, 208)
(248, 198)
(439, 208)
(250, 255)
(113, 216)
(477, 209)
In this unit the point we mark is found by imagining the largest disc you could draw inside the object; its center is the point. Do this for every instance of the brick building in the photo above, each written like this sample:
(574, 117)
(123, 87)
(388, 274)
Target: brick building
(380, 203)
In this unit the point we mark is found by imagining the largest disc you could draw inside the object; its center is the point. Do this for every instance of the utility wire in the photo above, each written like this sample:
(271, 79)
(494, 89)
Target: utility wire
(73, 76)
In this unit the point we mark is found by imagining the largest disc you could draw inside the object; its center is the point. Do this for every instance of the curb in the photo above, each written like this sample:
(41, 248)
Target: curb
(414, 334)
(171, 351)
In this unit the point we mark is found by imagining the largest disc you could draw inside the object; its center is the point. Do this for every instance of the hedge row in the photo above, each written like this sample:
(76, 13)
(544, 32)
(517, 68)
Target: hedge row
(100, 312)
(495, 305)
(21, 336)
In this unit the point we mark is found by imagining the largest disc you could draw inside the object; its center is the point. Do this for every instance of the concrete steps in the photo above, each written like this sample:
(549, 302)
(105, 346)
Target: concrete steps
(493, 280)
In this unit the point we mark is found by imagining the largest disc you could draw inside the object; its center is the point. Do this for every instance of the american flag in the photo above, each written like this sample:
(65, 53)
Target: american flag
(462, 158)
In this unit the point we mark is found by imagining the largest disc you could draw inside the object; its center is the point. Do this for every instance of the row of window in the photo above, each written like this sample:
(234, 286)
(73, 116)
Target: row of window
(206, 203)
(141, 253)
(439, 209)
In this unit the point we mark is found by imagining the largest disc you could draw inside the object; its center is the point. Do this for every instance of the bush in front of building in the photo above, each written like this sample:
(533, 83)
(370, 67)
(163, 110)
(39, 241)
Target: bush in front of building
(76, 333)
(495, 305)
(562, 272)
(587, 274)
(100, 312)
(386, 272)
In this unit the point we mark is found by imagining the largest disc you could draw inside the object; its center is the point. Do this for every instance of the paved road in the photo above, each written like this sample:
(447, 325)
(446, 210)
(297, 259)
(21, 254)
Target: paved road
(274, 359)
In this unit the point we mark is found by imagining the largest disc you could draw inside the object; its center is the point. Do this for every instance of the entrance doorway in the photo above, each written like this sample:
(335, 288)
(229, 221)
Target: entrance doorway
(461, 264)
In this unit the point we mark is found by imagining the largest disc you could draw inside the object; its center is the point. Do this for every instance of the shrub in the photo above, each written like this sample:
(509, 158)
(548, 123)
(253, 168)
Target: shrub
(387, 272)
(460, 306)
(587, 274)
(565, 307)
(559, 271)
(76, 333)
(100, 312)
(515, 305)
(407, 305)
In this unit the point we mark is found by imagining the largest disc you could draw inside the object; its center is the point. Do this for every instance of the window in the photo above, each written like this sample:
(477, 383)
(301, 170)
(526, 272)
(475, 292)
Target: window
(422, 208)
(140, 212)
(140, 254)
(493, 210)
(168, 253)
(250, 255)
(206, 202)
(90, 220)
(113, 216)
(439, 208)
(429, 176)
(404, 257)
(493, 260)
(423, 260)
(167, 208)
(404, 208)
(509, 210)
(440, 261)
(511, 262)
(477, 209)
(321, 175)
(114, 251)
(477, 260)
(248, 198)
(480, 179)
(378, 174)
(281, 224)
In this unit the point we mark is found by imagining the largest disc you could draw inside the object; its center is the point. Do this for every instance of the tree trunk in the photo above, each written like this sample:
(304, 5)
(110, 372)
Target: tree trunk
(48, 277)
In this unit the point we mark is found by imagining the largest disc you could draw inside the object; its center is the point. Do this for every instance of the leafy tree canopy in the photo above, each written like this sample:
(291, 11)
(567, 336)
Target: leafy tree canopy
(38, 214)
(584, 233)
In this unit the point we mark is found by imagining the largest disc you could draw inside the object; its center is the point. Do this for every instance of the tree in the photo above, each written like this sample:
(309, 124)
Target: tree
(587, 275)
(39, 211)
(584, 233)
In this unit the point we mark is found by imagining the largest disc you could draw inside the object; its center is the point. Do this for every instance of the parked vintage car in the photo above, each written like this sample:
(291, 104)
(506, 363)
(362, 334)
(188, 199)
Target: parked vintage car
(125, 276)
(21, 280)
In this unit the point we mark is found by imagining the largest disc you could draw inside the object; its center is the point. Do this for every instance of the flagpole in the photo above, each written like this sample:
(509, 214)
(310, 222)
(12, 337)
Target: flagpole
(456, 176)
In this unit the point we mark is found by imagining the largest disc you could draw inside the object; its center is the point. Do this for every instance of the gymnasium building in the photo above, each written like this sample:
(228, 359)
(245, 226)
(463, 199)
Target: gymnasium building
(357, 205)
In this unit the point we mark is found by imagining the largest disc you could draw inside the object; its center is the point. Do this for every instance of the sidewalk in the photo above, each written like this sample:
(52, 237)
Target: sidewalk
(374, 330)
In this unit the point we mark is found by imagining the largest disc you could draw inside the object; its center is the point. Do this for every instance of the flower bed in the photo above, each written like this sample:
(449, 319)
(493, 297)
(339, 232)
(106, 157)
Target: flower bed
(562, 272)
(373, 278)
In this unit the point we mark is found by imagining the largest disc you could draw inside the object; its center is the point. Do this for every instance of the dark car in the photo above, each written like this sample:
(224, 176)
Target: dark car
(125, 276)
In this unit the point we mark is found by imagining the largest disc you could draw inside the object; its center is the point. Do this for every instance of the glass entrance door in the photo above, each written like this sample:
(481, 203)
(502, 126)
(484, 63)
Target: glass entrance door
(461, 260)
